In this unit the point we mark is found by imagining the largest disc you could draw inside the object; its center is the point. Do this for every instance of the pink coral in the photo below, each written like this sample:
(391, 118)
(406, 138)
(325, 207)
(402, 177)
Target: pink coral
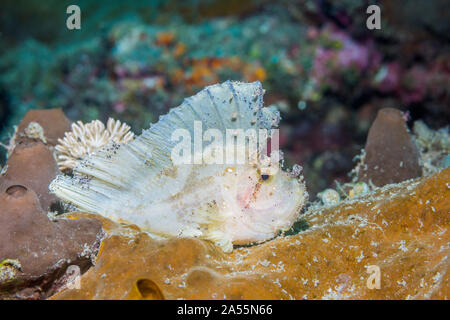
(388, 77)
(414, 85)
(338, 52)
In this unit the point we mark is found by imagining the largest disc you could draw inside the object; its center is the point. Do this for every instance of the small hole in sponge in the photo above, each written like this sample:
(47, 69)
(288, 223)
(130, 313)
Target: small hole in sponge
(16, 191)
(149, 290)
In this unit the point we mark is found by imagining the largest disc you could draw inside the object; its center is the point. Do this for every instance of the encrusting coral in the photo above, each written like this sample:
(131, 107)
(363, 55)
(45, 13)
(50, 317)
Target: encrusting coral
(434, 146)
(35, 131)
(85, 138)
(402, 229)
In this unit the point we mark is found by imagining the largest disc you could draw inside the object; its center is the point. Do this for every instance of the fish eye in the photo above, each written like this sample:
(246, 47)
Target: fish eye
(265, 177)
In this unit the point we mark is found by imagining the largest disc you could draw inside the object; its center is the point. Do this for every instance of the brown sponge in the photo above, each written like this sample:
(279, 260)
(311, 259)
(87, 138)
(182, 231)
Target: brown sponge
(32, 165)
(53, 121)
(44, 248)
(391, 155)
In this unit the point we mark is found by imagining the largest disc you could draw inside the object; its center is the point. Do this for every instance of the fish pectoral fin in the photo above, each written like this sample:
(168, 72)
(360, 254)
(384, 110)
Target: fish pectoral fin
(212, 222)
(225, 244)
(220, 239)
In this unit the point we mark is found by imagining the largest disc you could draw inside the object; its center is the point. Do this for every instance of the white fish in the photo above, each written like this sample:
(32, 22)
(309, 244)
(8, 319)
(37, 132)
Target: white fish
(139, 182)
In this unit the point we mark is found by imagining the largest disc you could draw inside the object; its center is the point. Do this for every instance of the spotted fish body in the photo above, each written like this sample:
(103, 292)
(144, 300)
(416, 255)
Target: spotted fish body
(228, 204)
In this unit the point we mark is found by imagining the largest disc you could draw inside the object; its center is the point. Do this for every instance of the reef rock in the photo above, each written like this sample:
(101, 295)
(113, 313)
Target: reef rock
(390, 153)
(32, 165)
(400, 230)
(34, 251)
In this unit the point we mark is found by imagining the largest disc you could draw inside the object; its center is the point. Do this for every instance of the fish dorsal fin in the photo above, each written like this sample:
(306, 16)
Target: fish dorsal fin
(104, 174)
(229, 105)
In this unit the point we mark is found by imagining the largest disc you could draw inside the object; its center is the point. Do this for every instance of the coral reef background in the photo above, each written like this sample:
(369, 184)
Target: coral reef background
(365, 112)
(319, 63)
